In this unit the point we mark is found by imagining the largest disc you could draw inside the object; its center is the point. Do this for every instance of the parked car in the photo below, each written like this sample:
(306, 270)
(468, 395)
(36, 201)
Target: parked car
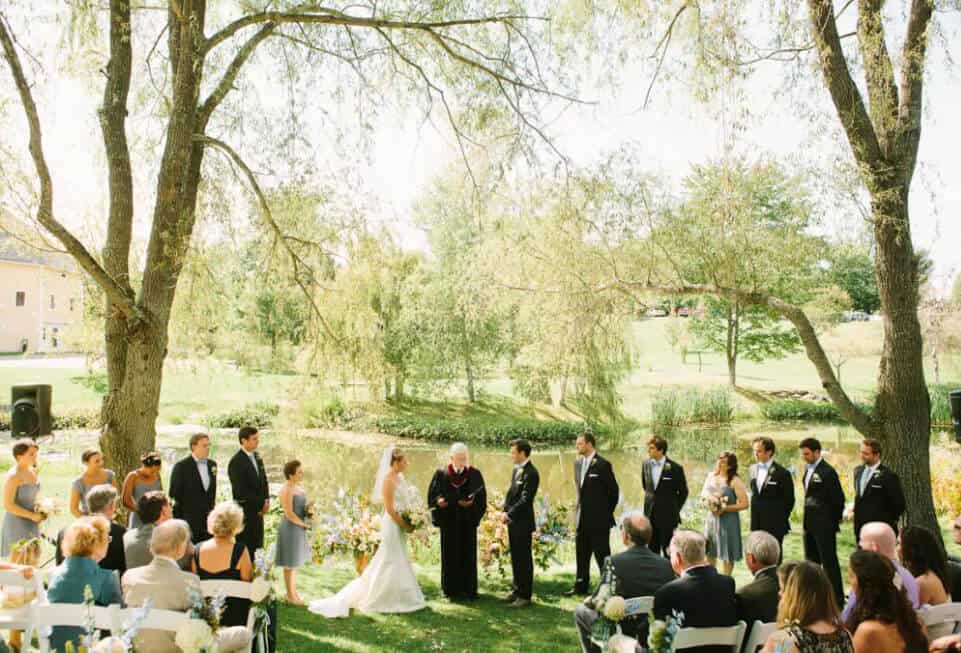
(656, 312)
(683, 311)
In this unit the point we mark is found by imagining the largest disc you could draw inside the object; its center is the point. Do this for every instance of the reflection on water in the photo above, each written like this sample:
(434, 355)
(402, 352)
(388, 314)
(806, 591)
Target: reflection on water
(332, 464)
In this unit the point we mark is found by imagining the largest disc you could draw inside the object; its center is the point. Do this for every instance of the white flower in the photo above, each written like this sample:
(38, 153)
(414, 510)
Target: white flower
(195, 636)
(109, 645)
(259, 589)
(615, 608)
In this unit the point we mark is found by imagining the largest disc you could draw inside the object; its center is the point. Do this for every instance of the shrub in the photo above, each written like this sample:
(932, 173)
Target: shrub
(260, 414)
(493, 431)
(799, 410)
(946, 477)
(940, 407)
(692, 406)
(78, 418)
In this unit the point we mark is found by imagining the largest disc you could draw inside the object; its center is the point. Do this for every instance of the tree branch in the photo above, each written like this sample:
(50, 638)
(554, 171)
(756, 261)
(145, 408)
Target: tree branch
(114, 291)
(844, 93)
(230, 75)
(295, 258)
(860, 420)
(912, 81)
(879, 74)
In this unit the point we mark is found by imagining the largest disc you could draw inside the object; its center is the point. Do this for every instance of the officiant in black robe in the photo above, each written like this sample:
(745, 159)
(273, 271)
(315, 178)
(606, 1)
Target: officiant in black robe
(458, 500)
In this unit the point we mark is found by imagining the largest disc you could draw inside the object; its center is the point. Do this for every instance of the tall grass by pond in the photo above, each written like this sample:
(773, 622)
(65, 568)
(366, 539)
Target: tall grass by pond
(692, 406)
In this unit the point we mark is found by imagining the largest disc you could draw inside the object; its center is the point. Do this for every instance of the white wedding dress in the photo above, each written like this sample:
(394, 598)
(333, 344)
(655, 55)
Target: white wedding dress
(388, 584)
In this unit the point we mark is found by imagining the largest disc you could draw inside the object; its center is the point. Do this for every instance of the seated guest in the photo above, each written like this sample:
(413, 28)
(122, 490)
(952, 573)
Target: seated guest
(85, 545)
(102, 500)
(154, 509)
(638, 571)
(704, 596)
(808, 616)
(880, 538)
(168, 588)
(883, 621)
(922, 552)
(222, 557)
(757, 601)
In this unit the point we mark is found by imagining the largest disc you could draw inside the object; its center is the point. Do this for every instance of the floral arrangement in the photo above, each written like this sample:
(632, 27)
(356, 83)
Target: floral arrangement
(715, 503)
(552, 528)
(196, 636)
(351, 527)
(661, 634)
(413, 510)
(262, 585)
(47, 507)
(610, 607)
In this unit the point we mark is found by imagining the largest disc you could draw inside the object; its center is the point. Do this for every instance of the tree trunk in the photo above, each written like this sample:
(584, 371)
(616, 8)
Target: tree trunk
(733, 321)
(471, 395)
(563, 396)
(903, 405)
(399, 386)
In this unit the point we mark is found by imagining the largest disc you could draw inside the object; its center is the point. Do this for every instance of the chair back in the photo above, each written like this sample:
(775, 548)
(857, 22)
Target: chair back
(44, 616)
(732, 636)
(941, 620)
(638, 605)
(759, 635)
(232, 588)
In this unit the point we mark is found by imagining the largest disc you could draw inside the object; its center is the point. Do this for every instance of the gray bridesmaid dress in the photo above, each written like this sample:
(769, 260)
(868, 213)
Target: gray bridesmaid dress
(291, 538)
(82, 489)
(19, 528)
(139, 491)
(723, 532)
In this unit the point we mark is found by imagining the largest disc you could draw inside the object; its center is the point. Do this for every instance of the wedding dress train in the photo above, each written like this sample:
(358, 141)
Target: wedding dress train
(387, 585)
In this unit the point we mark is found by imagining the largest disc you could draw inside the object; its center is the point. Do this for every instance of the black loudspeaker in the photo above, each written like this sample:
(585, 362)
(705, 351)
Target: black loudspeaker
(30, 411)
(955, 397)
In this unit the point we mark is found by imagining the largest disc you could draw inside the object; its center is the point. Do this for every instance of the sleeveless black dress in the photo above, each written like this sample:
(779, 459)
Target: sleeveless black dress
(235, 610)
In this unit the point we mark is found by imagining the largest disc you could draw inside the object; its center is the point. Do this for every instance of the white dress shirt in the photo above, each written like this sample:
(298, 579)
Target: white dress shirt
(202, 467)
(585, 465)
(657, 467)
(866, 475)
(762, 471)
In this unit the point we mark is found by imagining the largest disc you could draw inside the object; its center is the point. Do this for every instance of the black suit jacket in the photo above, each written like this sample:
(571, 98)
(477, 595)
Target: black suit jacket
(597, 496)
(249, 487)
(115, 558)
(883, 499)
(758, 600)
(663, 504)
(638, 571)
(519, 502)
(705, 597)
(191, 502)
(771, 505)
(823, 499)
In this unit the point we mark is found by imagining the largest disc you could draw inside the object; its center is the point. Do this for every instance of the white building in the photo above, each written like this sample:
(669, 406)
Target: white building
(41, 295)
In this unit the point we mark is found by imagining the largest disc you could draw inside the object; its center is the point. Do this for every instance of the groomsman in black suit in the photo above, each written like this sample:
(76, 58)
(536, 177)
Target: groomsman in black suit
(193, 486)
(248, 480)
(597, 496)
(877, 491)
(772, 493)
(823, 511)
(665, 491)
(519, 517)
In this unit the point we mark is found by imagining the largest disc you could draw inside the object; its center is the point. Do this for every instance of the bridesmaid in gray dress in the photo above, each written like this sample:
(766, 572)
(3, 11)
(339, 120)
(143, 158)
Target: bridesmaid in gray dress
(292, 549)
(145, 478)
(20, 494)
(94, 474)
(723, 525)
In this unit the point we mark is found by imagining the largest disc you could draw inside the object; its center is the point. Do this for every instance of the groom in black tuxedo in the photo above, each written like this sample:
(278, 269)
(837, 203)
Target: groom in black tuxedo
(519, 517)
(823, 510)
(597, 496)
(193, 487)
(772, 492)
(248, 480)
(877, 490)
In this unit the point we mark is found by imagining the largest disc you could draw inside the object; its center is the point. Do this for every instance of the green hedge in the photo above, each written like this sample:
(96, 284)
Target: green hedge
(940, 406)
(482, 430)
(260, 414)
(81, 418)
(799, 410)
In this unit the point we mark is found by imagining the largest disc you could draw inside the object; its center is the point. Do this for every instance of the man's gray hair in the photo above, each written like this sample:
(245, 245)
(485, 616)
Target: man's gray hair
(458, 447)
(764, 547)
(637, 527)
(168, 537)
(100, 497)
(691, 545)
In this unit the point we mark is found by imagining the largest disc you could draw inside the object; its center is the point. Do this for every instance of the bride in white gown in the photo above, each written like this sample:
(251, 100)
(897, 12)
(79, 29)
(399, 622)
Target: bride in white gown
(388, 584)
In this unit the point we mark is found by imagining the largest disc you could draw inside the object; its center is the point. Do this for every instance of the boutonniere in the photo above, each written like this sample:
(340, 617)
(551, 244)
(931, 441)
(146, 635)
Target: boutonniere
(593, 460)
(876, 474)
(816, 477)
(667, 466)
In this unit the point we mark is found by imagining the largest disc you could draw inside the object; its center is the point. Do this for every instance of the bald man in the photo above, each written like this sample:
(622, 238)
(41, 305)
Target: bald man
(879, 537)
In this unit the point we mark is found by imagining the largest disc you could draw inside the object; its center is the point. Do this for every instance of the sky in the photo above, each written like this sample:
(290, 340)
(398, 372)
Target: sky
(673, 133)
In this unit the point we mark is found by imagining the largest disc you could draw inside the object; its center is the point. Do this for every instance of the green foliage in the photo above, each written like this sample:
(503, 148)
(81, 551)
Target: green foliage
(853, 270)
(260, 414)
(798, 410)
(940, 406)
(64, 420)
(692, 406)
(323, 410)
(95, 381)
(491, 431)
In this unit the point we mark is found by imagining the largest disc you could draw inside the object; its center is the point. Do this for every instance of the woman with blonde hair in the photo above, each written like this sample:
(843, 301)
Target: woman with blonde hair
(84, 545)
(223, 558)
(808, 617)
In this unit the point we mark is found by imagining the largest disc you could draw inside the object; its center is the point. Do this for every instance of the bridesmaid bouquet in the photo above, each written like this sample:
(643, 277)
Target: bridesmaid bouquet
(47, 507)
(716, 503)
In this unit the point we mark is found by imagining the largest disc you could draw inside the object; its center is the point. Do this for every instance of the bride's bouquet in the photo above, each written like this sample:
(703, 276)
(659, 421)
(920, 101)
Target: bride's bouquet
(413, 511)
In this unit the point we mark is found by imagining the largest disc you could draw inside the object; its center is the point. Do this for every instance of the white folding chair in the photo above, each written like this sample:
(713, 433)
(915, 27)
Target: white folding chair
(941, 620)
(731, 636)
(633, 607)
(233, 589)
(44, 616)
(759, 635)
(19, 618)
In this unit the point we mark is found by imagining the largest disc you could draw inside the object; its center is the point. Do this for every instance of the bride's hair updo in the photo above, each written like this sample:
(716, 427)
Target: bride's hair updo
(396, 455)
